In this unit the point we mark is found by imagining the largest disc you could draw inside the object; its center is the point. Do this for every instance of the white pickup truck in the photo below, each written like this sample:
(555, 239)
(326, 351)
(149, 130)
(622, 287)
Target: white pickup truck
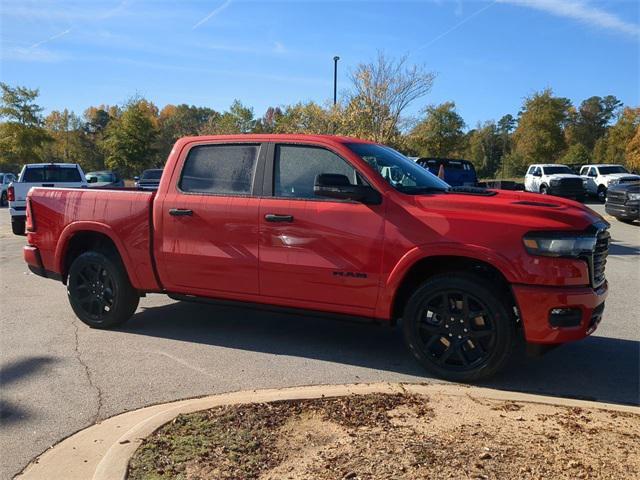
(67, 175)
(554, 179)
(600, 177)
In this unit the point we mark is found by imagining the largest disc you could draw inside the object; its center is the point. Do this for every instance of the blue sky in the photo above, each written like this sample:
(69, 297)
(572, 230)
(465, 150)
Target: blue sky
(488, 55)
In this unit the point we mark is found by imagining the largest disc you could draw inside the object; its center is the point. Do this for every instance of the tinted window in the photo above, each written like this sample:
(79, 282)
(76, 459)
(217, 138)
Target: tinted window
(296, 168)
(51, 173)
(220, 169)
(151, 174)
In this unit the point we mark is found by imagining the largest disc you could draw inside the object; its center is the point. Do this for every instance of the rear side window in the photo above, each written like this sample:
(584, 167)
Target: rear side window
(296, 168)
(51, 174)
(220, 169)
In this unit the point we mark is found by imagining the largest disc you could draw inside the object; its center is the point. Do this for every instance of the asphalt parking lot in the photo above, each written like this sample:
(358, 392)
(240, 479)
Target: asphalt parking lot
(59, 376)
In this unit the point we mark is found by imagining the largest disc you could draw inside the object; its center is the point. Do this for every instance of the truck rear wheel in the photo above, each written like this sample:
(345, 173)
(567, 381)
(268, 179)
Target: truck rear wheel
(99, 290)
(459, 329)
(17, 227)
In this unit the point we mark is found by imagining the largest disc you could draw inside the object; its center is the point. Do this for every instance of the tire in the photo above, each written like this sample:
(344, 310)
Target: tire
(447, 348)
(602, 193)
(17, 227)
(99, 290)
(3, 200)
(543, 189)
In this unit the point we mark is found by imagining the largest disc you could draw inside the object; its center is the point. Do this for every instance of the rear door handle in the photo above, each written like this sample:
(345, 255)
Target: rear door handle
(272, 217)
(180, 212)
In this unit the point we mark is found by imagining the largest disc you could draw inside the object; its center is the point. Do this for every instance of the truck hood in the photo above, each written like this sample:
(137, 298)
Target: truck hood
(504, 209)
(563, 175)
(622, 175)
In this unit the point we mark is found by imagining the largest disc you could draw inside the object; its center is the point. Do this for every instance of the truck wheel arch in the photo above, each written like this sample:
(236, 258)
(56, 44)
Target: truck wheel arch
(80, 237)
(401, 285)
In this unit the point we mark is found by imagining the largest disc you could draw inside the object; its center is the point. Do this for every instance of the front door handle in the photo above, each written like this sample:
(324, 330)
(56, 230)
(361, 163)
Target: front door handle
(272, 217)
(180, 212)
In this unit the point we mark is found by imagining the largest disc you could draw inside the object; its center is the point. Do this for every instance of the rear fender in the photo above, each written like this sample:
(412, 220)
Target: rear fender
(88, 226)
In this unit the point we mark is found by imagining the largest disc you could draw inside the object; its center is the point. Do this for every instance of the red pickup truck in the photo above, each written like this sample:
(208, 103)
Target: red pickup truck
(335, 225)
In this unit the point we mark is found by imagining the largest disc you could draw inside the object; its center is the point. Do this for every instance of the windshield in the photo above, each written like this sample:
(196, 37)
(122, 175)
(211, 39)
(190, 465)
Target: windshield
(558, 169)
(401, 173)
(152, 174)
(612, 169)
(51, 173)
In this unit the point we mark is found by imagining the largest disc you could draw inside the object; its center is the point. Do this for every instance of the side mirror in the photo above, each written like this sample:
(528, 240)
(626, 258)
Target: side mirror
(92, 180)
(136, 179)
(537, 174)
(334, 185)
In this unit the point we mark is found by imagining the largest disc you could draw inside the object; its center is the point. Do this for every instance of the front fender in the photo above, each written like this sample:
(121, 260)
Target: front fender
(472, 252)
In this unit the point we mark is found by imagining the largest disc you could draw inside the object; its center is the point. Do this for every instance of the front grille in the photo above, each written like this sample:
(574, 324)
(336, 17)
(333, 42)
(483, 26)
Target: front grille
(616, 196)
(571, 183)
(599, 259)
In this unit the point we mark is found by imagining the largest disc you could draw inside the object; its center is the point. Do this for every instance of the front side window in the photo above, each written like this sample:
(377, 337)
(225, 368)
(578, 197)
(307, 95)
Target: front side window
(297, 166)
(220, 169)
(400, 172)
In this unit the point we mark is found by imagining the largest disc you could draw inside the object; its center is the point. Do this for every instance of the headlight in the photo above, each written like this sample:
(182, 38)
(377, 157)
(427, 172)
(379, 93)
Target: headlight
(633, 196)
(614, 181)
(559, 244)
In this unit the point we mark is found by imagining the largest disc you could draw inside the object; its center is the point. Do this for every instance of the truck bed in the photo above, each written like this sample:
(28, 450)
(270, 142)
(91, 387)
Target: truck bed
(122, 215)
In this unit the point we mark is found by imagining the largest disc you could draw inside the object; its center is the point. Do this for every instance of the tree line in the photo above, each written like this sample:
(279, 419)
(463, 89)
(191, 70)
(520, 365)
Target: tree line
(138, 134)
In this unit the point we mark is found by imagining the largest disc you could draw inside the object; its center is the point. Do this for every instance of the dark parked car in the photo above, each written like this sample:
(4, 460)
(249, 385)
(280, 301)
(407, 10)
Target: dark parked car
(457, 173)
(149, 180)
(623, 201)
(104, 178)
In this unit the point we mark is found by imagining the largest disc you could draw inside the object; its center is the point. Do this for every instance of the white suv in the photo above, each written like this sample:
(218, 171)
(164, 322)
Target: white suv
(600, 177)
(554, 179)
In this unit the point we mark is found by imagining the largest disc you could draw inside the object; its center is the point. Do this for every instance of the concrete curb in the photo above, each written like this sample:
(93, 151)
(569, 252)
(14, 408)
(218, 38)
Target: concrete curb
(102, 451)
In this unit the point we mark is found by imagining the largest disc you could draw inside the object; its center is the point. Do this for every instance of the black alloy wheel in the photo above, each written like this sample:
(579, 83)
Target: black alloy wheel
(456, 330)
(460, 327)
(99, 290)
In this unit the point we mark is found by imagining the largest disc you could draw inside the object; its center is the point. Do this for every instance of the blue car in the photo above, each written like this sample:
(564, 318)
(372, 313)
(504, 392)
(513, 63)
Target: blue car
(457, 173)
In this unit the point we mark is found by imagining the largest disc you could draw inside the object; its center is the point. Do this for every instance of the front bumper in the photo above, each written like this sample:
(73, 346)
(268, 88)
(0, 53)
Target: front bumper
(630, 210)
(535, 304)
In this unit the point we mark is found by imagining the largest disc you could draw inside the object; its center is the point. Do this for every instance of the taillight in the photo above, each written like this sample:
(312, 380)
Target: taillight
(30, 223)
(11, 194)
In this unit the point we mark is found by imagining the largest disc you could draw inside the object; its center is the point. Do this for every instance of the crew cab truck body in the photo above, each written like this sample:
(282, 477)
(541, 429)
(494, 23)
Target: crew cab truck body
(68, 175)
(309, 223)
(554, 179)
(599, 177)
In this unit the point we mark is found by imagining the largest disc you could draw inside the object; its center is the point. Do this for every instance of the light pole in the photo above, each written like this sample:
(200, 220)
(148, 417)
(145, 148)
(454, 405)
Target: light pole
(335, 79)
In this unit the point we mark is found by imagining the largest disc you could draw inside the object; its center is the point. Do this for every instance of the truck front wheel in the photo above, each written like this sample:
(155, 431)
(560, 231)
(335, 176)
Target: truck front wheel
(459, 329)
(602, 193)
(99, 290)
